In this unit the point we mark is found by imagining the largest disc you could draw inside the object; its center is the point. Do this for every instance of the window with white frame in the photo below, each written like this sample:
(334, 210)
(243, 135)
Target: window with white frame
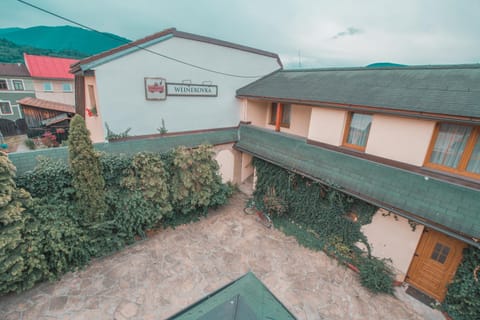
(47, 86)
(18, 85)
(67, 87)
(3, 84)
(5, 108)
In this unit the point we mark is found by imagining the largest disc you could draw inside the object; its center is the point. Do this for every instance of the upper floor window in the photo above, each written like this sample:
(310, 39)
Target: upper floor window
(47, 86)
(357, 130)
(5, 108)
(91, 94)
(455, 148)
(18, 85)
(67, 87)
(3, 84)
(284, 117)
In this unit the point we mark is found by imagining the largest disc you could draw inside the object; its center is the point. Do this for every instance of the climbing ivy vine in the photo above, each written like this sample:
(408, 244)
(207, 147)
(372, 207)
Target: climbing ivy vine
(463, 296)
(321, 218)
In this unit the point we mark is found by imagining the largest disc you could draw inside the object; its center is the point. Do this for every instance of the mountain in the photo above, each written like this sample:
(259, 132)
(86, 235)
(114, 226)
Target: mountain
(8, 30)
(63, 38)
(385, 65)
(11, 52)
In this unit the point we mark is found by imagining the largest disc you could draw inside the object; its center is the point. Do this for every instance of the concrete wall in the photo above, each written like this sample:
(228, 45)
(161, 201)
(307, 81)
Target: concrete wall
(393, 238)
(121, 90)
(327, 125)
(247, 167)
(57, 95)
(255, 111)
(94, 123)
(225, 158)
(400, 139)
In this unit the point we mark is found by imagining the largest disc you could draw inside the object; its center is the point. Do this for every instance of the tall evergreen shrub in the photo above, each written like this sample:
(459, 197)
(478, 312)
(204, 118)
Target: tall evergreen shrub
(20, 263)
(86, 171)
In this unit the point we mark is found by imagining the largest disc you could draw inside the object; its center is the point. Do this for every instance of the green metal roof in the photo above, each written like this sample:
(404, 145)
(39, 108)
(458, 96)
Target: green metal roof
(442, 203)
(243, 299)
(25, 161)
(447, 90)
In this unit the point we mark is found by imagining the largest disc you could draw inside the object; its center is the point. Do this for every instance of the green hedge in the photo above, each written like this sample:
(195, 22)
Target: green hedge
(143, 191)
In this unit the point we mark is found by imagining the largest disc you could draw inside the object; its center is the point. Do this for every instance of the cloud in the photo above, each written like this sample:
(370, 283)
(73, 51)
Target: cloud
(349, 32)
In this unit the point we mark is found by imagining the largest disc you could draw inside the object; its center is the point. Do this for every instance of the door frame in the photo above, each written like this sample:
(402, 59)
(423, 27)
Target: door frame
(424, 251)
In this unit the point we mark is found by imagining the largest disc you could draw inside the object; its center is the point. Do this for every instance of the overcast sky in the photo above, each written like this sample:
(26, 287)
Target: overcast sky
(319, 33)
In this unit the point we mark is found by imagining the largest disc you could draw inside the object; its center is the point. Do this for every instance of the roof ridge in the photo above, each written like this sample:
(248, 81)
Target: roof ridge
(175, 33)
(413, 67)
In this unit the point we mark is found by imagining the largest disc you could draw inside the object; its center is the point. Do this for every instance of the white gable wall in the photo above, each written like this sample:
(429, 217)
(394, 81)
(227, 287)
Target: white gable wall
(120, 84)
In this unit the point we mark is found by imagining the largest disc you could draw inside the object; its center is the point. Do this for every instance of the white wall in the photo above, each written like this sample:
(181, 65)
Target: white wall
(121, 92)
(327, 125)
(393, 238)
(401, 139)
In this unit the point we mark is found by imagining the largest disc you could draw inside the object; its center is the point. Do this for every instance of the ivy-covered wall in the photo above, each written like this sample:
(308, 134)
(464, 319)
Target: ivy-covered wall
(142, 191)
(321, 218)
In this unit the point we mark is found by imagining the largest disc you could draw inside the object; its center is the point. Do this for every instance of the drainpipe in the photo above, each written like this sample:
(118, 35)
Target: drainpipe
(278, 120)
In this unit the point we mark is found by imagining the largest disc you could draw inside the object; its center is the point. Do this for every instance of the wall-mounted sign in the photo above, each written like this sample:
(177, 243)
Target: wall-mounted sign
(193, 90)
(155, 89)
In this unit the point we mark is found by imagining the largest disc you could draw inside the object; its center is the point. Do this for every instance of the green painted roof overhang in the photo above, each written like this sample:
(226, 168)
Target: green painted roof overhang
(123, 53)
(452, 90)
(450, 208)
(246, 298)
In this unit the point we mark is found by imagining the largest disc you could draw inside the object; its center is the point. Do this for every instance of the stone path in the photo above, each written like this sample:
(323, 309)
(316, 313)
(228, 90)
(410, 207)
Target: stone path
(154, 279)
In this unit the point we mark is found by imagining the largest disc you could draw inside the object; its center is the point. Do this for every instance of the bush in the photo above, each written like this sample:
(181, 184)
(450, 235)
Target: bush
(51, 179)
(30, 144)
(64, 243)
(195, 183)
(463, 296)
(376, 275)
(52, 236)
(20, 261)
(86, 171)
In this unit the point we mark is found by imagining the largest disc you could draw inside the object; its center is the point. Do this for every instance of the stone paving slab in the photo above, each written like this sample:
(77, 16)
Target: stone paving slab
(156, 278)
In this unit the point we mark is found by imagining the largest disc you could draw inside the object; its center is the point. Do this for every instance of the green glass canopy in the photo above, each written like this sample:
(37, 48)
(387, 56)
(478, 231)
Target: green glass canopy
(246, 298)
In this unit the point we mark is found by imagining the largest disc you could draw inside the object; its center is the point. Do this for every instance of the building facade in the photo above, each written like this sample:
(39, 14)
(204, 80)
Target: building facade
(15, 84)
(172, 79)
(404, 139)
(51, 78)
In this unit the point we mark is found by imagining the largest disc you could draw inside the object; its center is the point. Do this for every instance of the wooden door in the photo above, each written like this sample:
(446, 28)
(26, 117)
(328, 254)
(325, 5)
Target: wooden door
(435, 263)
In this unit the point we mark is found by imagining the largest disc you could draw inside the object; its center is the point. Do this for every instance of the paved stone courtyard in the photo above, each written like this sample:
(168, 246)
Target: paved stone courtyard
(155, 278)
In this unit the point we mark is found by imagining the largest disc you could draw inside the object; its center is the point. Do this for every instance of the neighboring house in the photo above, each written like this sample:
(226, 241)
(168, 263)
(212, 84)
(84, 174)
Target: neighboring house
(186, 80)
(51, 78)
(404, 139)
(42, 115)
(15, 84)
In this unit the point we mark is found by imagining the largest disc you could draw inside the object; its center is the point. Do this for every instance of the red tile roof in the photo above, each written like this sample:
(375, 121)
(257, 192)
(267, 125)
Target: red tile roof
(49, 67)
(13, 69)
(45, 104)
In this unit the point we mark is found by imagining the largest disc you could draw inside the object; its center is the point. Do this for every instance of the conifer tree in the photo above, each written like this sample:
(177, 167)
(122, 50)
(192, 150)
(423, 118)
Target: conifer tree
(16, 266)
(86, 170)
